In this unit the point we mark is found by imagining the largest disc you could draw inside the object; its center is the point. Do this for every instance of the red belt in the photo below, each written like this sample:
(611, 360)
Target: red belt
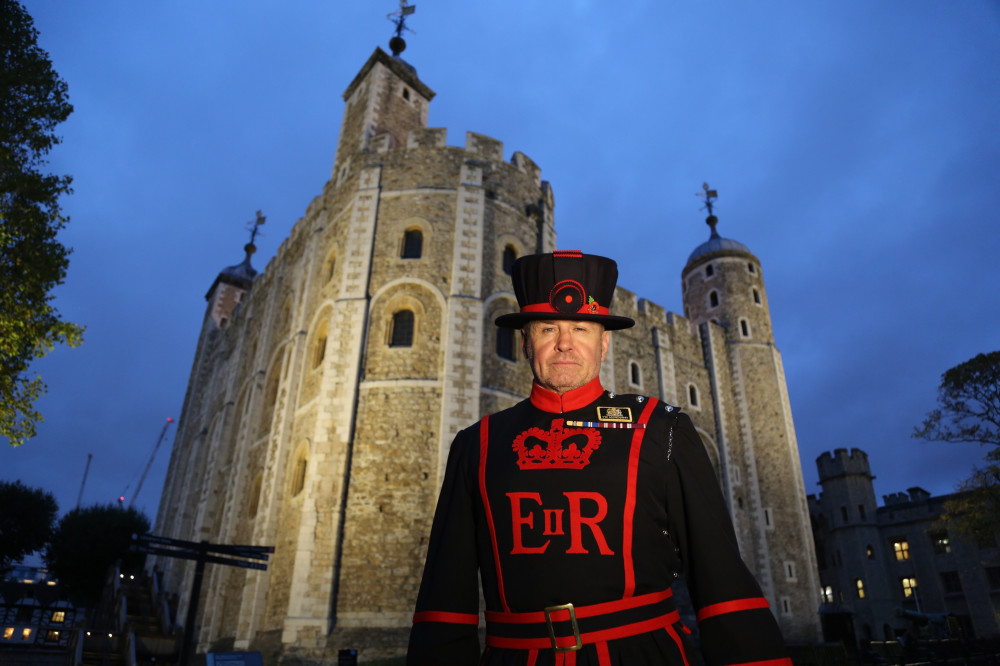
(566, 627)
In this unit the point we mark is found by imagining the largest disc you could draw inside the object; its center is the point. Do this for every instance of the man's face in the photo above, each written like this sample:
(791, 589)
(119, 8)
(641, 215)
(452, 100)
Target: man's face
(564, 354)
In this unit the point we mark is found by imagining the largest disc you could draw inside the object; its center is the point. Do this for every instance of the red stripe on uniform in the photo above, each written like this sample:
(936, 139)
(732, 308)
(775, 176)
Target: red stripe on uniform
(785, 661)
(633, 473)
(484, 440)
(445, 616)
(733, 607)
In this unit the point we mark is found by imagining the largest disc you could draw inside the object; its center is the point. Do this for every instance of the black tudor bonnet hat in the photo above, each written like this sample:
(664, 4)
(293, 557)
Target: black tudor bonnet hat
(565, 284)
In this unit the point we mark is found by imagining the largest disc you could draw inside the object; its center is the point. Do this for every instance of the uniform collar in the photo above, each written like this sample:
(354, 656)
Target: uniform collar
(550, 401)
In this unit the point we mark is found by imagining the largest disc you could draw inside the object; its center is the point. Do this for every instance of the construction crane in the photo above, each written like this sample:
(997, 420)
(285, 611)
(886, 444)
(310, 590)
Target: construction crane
(86, 469)
(149, 464)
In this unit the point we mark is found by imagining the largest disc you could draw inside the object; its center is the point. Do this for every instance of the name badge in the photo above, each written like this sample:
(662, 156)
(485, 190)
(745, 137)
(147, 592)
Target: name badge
(614, 414)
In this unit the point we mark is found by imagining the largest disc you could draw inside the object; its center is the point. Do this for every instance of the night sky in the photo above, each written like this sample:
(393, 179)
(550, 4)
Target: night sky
(854, 146)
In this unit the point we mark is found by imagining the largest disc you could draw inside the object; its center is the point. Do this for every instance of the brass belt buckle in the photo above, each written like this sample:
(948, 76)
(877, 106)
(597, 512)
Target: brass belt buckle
(552, 632)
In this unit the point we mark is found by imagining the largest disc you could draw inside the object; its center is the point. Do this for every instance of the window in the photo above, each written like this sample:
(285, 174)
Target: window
(751, 267)
(860, 587)
(950, 582)
(634, 375)
(505, 344)
(826, 594)
(843, 513)
(909, 585)
(401, 334)
(709, 270)
(509, 255)
(744, 328)
(993, 576)
(8, 632)
(713, 299)
(406, 93)
(330, 267)
(861, 511)
(52, 636)
(902, 549)
(26, 634)
(790, 572)
(413, 244)
(941, 542)
(299, 478)
(58, 616)
(319, 352)
(870, 552)
(693, 395)
(767, 518)
(756, 297)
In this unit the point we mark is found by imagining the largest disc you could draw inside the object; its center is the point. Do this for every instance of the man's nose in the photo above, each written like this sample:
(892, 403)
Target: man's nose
(564, 341)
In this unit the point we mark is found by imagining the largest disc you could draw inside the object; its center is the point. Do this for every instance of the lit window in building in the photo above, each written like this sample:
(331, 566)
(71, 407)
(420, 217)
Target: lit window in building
(26, 634)
(902, 549)
(52, 636)
(827, 594)
(860, 585)
(402, 329)
(7, 633)
(909, 585)
(413, 244)
(58, 616)
(942, 545)
(870, 552)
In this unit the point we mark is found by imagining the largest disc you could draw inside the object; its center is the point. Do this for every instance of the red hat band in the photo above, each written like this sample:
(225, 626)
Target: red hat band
(568, 297)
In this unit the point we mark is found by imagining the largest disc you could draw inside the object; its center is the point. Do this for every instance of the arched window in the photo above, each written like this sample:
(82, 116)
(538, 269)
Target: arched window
(693, 395)
(509, 255)
(299, 475)
(330, 267)
(634, 376)
(401, 334)
(413, 244)
(505, 344)
(713, 299)
(319, 351)
(709, 270)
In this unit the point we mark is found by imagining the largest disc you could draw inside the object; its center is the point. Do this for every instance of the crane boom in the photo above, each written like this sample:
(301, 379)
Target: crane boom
(149, 463)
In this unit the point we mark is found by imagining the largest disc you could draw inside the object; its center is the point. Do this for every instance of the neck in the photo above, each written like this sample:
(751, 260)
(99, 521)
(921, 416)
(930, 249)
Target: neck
(550, 401)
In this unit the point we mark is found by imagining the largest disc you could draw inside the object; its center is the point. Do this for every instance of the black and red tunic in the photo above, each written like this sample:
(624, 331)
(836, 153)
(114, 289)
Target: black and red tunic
(578, 512)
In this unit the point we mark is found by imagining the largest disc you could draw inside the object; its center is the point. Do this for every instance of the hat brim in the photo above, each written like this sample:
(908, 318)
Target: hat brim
(519, 319)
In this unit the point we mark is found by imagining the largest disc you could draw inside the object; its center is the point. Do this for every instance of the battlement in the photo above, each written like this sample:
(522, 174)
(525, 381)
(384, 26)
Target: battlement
(842, 463)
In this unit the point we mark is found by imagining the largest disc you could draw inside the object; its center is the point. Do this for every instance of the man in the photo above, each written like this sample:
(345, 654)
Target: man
(578, 508)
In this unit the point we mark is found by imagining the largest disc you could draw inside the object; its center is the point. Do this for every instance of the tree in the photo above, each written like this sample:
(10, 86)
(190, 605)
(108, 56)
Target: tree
(27, 528)
(87, 542)
(33, 100)
(969, 411)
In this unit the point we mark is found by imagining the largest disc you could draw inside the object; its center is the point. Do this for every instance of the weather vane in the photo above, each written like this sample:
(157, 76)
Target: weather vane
(710, 197)
(397, 43)
(253, 226)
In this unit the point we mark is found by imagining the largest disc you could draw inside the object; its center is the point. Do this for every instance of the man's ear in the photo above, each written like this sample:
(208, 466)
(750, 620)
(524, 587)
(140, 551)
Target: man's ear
(605, 341)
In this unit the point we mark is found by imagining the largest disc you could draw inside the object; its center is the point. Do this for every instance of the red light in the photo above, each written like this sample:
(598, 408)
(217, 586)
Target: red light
(169, 420)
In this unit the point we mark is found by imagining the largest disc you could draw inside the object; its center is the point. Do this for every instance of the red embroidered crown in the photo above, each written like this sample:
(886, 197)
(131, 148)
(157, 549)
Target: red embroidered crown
(557, 448)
